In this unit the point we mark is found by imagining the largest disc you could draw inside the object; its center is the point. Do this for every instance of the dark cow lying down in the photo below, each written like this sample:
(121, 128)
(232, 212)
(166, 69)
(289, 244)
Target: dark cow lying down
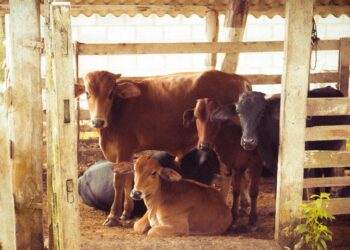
(175, 206)
(259, 118)
(96, 188)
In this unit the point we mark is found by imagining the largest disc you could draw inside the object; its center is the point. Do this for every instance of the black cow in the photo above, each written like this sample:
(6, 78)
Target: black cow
(198, 165)
(96, 188)
(259, 119)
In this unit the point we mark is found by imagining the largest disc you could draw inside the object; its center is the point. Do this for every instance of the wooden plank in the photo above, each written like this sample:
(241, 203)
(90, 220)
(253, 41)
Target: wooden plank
(65, 217)
(321, 159)
(200, 47)
(344, 60)
(328, 106)
(337, 206)
(25, 123)
(212, 33)
(295, 81)
(326, 133)
(327, 182)
(235, 22)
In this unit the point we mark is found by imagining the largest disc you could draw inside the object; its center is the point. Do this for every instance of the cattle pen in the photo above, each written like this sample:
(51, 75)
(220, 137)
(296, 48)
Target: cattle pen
(23, 122)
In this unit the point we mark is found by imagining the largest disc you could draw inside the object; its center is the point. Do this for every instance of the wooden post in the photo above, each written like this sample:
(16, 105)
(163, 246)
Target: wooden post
(344, 59)
(65, 214)
(212, 31)
(235, 22)
(7, 206)
(26, 122)
(295, 80)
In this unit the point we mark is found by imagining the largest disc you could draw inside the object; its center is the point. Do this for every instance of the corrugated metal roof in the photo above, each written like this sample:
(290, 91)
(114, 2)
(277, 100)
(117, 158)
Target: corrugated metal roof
(173, 8)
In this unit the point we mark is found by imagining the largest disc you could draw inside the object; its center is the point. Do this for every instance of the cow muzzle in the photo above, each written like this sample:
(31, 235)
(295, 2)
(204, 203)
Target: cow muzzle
(204, 147)
(249, 143)
(97, 123)
(136, 195)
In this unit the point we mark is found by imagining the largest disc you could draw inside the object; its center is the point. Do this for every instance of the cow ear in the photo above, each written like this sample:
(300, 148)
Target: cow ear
(127, 90)
(169, 174)
(124, 167)
(188, 118)
(224, 113)
(78, 89)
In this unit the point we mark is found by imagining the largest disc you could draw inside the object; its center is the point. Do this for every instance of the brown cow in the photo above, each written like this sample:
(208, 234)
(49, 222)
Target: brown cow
(176, 206)
(136, 114)
(225, 140)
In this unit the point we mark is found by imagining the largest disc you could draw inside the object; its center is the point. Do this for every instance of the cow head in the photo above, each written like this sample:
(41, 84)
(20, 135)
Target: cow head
(148, 173)
(250, 109)
(207, 129)
(102, 88)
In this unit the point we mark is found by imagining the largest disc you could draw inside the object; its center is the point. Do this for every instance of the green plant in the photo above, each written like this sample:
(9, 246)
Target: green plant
(313, 232)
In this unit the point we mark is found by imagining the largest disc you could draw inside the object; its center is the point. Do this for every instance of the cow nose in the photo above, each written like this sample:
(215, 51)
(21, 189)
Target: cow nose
(136, 195)
(204, 146)
(97, 123)
(250, 142)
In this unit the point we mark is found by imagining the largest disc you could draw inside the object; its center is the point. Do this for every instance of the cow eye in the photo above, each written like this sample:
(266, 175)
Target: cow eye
(87, 95)
(154, 173)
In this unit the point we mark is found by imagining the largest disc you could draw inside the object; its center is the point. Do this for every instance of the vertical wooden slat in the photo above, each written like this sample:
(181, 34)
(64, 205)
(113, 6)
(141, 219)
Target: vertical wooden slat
(65, 214)
(344, 59)
(293, 112)
(235, 22)
(26, 122)
(7, 207)
(212, 32)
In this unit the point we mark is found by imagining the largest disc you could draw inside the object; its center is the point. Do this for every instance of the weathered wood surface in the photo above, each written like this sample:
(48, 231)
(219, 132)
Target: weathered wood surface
(320, 159)
(344, 60)
(295, 81)
(7, 205)
(327, 182)
(212, 34)
(328, 106)
(65, 214)
(200, 47)
(337, 206)
(235, 22)
(324, 133)
(26, 119)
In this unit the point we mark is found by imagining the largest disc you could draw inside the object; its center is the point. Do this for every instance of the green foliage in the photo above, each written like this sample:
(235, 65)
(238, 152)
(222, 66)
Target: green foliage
(313, 233)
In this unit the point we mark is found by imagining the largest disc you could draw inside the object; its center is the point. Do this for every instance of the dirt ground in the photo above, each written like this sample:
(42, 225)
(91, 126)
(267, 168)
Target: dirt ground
(94, 236)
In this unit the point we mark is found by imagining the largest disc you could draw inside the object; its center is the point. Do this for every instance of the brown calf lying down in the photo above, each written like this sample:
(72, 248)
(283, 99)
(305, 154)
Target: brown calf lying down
(176, 206)
(225, 140)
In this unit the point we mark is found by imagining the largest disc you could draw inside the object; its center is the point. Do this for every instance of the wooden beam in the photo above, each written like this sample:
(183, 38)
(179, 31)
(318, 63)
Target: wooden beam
(327, 182)
(235, 22)
(337, 206)
(64, 130)
(322, 159)
(212, 33)
(200, 47)
(324, 133)
(25, 118)
(328, 106)
(344, 60)
(295, 81)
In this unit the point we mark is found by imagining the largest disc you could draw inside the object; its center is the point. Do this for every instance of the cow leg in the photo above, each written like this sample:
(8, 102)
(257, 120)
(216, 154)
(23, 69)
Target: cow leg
(142, 225)
(255, 174)
(178, 227)
(236, 190)
(225, 180)
(128, 202)
(245, 196)
(116, 209)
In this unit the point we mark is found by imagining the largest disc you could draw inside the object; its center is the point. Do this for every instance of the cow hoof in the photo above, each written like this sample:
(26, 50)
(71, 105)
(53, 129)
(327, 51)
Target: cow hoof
(111, 222)
(125, 217)
(252, 228)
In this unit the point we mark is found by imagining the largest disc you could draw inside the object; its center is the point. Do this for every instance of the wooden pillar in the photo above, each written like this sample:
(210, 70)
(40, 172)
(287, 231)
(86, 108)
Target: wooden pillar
(26, 122)
(295, 80)
(235, 22)
(7, 207)
(212, 32)
(344, 60)
(65, 213)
